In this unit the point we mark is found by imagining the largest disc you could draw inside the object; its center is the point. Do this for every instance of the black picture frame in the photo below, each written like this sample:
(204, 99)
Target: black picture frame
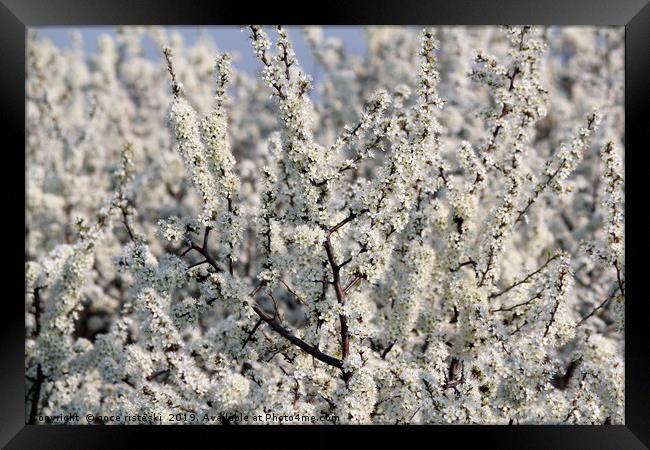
(17, 15)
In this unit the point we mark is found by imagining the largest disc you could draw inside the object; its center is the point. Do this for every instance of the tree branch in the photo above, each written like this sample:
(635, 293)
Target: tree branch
(312, 350)
(340, 296)
(510, 308)
(526, 278)
(595, 310)
(33, 410)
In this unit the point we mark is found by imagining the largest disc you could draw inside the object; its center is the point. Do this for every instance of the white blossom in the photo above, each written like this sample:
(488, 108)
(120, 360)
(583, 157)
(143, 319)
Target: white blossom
(430, 232)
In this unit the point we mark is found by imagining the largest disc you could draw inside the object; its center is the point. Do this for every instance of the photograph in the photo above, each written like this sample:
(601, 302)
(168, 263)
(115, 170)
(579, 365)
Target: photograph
(325, 225)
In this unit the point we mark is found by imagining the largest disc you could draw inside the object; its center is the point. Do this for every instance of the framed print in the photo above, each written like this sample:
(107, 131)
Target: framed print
(373, 216)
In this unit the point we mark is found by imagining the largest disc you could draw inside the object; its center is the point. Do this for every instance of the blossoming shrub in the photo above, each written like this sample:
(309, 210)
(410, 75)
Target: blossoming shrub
(437, 238)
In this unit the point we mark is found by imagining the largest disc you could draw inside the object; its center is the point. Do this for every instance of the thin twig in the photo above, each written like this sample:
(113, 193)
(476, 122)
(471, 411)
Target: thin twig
(621, 284)
(595, 310)
(348, 219)
(526, 278)
(300, 299)
(250, 335)
(510, 308)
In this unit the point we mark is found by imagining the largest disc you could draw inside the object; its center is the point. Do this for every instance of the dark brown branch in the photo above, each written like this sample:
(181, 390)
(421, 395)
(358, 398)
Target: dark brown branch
(504, 110)
(348, 219)
(488, 267)
(518, 329)
(256, 290)
(463, 264)
(250, 335)
(186, 251)
(329, 402)
(344, 263)
(285, 57)
(176, 89)
(312, 350)
(40, 377)
(550, 322)
(568, 416)
(231, 268)
(125, 220)
(209, 258)
(203, 250)
(266, 62)
(197, 264)
(355, 280)
(157, 374)
(206, 237)
(33, 410)
(340, 296)
(387, 350)
(37, 309)
(621, 284)
(276, 310)
(557, 302)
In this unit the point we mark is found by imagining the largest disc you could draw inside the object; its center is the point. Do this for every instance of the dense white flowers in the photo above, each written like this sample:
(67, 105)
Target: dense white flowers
(426, 240)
